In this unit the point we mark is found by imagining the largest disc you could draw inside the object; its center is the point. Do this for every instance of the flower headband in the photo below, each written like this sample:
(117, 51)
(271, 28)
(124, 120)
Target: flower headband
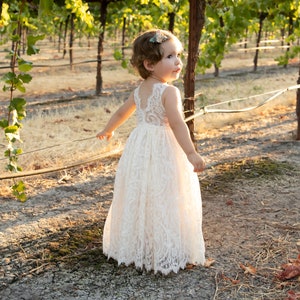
(158, 38)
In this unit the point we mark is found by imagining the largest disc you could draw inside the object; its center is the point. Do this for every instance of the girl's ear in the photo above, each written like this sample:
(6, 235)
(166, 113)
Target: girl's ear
(148, 65)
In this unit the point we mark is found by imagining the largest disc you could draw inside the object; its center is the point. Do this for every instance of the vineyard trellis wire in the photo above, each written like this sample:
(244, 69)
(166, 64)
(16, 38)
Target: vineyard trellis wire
(203, 110)
(206, 109)
(64, 65)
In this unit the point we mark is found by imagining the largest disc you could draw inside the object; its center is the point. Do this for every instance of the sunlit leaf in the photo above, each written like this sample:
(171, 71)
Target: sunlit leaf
(24, 66)
(19, 191)
(209, 262)
(17, 151)
(11, 129)
(20, 86)
(4, 20)
(248, 269)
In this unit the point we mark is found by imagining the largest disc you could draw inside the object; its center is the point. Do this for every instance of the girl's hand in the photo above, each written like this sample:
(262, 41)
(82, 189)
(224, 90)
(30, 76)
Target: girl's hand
(104, 134)
(197, 161)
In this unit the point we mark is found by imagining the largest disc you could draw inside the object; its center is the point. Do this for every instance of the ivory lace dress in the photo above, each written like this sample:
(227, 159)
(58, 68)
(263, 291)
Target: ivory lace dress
(155, 219)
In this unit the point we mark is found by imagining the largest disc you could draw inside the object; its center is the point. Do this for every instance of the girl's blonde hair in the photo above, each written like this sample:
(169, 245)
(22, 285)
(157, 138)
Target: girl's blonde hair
(147, 47)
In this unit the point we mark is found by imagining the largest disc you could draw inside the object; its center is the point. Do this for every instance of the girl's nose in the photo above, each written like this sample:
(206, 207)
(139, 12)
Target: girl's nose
(178, 61)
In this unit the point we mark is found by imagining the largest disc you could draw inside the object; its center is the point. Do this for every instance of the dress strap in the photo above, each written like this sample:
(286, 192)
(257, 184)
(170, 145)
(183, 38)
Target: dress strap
(136, 95)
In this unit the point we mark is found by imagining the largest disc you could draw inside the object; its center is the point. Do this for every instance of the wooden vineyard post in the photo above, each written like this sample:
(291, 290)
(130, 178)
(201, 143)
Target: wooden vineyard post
(298, 108)
(72, 30)
(103, 14)
(196, 17)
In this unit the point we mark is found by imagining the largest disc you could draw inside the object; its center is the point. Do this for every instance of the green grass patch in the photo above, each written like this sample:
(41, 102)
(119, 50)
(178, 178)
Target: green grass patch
(226, 175)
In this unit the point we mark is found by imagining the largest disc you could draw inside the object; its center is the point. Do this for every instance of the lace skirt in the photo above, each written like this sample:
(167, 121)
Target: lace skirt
(155, 219)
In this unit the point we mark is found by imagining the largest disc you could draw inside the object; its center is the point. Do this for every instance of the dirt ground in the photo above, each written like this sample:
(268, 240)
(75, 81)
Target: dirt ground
(51, 245)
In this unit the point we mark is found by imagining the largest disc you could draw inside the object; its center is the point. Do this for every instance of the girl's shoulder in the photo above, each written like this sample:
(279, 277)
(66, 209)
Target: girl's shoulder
(171, 95)
(171, 90)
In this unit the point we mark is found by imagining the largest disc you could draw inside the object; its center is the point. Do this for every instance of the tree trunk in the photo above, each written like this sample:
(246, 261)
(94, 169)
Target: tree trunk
(290, 32)
(59, 36)
(123, 38)
(246, 40)
(282, 32)
(65, 35)
(217, 70)
(262, 16)
(298, 108)
(103, 14)
(71, 40)
(171, 16)
(196, 17)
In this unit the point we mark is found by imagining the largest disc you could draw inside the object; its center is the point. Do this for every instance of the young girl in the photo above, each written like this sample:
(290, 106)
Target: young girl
(155, 219)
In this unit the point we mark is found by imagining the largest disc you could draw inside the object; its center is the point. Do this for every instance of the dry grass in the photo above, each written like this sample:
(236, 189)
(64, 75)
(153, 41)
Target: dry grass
(62, 137)
(55, 135)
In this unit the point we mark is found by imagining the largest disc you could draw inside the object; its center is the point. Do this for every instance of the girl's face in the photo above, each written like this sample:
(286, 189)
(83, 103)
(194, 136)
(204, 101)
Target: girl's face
(169, 67)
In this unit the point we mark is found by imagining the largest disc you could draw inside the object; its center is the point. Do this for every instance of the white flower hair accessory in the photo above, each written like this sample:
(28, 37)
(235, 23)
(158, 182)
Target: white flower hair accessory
(158, 38)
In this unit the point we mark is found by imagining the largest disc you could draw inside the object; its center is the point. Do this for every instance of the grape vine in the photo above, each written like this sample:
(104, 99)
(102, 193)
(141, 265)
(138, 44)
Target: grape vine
(14, 80)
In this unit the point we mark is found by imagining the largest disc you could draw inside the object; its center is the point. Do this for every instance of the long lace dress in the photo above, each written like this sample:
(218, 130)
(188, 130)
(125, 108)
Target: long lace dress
(155, 219)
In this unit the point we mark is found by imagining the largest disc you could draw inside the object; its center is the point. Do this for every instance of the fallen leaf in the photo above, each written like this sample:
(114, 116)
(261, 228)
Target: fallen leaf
(290, 270)
(209, 262)
(229, 202)
(248, 269)
(233, 281)
(189, 266)
(293, 296)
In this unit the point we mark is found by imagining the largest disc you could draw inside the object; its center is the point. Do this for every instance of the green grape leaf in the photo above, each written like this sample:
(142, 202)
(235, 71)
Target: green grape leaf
(18, 191)
(26, 78)
(24, 66)
(3, 123)
(117, 54)
(9, 77)
(11, 129)
(124, 64)
(31, 40)
(20, 86)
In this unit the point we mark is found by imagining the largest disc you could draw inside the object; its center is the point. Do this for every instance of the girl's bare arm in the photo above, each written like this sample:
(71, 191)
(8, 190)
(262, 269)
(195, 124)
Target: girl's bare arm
(171, 100)
(118, 118)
